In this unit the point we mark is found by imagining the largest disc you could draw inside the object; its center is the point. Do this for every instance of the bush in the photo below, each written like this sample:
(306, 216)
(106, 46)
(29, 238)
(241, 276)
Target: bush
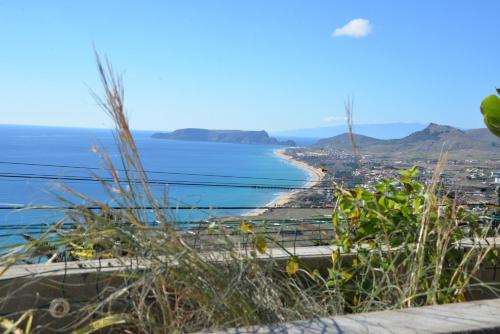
(406, 243)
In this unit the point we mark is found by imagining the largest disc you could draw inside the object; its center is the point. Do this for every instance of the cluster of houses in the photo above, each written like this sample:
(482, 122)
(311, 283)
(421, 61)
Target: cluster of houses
(483, 175)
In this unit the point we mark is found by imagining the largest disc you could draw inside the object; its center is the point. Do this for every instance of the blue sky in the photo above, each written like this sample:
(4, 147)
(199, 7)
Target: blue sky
(271, 65)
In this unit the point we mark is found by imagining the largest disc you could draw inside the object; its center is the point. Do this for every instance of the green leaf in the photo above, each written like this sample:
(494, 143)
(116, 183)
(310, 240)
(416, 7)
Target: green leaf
(490, 108)
(335, 219)
(356, 213)
(110, 320)
(9, 326)
(391, 204)
(332, 273)
(13, 327)
(292, 267)
(331, 283)
(335, 257)
(346, 276)
(366, 195)
(410, 173)
(346, 245)
(358, 194)
(260, 244)
(381, 202)
(246, 227)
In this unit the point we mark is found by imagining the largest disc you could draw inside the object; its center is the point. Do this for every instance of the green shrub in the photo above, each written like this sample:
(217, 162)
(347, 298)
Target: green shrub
(404, 243)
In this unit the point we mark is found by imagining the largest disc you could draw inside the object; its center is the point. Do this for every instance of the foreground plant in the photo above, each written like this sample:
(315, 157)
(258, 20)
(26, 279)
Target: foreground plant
(490, 108)
(397, 247)
(171, 287)
(406, 246)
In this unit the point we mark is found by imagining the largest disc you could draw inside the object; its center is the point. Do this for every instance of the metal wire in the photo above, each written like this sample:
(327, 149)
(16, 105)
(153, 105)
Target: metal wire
(71, 178)
(157, 172)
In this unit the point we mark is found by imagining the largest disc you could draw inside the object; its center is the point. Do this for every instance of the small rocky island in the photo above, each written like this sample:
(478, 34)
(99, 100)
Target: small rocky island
(223, 136)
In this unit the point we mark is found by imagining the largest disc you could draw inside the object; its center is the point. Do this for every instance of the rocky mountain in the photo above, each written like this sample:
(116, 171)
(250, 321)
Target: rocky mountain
(343, 141)
(223, 136)
(380, 131)
(427, 143)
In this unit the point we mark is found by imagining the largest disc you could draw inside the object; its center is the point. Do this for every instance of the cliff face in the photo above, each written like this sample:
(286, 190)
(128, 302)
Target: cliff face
(222, 136)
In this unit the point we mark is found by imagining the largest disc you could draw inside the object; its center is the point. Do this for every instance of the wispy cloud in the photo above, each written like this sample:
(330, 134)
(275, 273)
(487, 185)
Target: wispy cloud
(334, 119)
(356, 28)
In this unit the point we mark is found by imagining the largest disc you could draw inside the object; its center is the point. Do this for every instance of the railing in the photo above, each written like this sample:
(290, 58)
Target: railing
(204, 235)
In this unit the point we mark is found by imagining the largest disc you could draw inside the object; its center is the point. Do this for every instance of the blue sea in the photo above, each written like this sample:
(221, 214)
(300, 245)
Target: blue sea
(73, 147)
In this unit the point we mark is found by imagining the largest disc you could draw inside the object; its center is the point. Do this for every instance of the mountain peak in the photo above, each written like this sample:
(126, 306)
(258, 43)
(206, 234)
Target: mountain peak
(425, 143)
(433, 127)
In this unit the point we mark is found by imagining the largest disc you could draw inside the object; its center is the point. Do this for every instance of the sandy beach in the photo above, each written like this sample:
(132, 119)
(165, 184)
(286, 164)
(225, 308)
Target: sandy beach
(316, 173)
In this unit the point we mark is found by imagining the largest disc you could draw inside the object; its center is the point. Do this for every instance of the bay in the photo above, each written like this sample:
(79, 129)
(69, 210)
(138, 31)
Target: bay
(178, 162)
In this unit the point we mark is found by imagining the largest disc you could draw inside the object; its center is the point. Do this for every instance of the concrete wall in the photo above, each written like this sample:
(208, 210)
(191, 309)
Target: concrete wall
(472, 317)
(36, 286)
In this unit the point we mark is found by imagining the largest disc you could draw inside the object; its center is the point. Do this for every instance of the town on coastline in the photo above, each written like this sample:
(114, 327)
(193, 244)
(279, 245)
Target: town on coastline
(470, 177)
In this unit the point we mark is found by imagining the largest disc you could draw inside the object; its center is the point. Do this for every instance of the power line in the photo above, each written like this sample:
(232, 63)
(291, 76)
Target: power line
(187, 207)
(290, 222)
(157, 172)
(29, 176)
(75, 207)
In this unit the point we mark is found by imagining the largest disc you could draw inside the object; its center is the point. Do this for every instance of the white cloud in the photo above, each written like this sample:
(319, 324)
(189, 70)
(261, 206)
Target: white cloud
(334, 119)
(356, 28)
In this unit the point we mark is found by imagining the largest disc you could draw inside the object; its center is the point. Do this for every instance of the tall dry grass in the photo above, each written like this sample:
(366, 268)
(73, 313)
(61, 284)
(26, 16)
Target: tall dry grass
(176, 288)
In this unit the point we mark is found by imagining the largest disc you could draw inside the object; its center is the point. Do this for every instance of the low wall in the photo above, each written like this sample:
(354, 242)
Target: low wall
(471, 317)
(24, 287)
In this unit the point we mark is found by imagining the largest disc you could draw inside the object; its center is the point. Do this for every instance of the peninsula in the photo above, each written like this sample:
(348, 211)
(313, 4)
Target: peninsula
(223, 136)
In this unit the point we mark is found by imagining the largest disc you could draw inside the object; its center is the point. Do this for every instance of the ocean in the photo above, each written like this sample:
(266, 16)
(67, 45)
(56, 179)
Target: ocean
(218, 162)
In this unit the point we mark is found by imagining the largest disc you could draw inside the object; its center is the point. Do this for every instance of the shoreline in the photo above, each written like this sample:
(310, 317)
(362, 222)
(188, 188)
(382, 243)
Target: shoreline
(316, 175)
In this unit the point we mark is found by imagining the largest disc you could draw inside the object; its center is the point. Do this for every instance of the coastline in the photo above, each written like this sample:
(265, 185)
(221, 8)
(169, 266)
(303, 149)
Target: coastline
(316, 174)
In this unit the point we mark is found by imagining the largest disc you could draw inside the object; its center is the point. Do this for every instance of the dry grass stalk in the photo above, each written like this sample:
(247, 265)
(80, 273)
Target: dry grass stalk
(183, 291)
